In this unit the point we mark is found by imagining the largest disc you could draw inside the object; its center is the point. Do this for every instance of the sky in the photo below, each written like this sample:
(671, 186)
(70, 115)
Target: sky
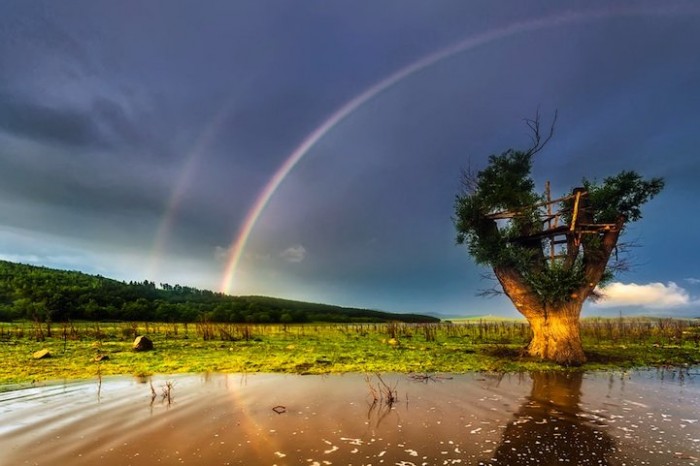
(312, 150)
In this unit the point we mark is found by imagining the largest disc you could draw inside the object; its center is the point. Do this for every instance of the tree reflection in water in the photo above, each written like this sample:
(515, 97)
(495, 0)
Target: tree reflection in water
(550, 428)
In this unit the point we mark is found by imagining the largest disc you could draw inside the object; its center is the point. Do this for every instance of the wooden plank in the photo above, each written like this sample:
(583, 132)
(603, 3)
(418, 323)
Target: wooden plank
(575, 214)
(543, 234)
(598, 225)
(515, 213)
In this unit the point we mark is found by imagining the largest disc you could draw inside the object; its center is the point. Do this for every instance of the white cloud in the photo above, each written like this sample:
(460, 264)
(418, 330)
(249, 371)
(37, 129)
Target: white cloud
(295, 253)
(693, 281)
(650, 295)
(221, 254)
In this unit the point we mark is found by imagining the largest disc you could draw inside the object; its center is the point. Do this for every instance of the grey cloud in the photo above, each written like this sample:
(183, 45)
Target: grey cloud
(36, 121)
(105, 124)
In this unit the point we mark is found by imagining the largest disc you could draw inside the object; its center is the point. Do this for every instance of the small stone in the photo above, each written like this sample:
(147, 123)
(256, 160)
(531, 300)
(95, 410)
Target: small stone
(42, 354)
(142, 343)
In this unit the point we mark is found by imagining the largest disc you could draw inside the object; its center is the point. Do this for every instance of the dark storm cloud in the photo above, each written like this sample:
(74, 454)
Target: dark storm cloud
(47, 124)
(117, 118)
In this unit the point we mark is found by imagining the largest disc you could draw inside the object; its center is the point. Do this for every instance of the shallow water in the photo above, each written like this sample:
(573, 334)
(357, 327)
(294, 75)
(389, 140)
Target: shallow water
(649, 418)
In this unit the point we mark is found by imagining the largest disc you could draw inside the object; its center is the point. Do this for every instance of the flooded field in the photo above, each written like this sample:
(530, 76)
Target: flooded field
(645, 418)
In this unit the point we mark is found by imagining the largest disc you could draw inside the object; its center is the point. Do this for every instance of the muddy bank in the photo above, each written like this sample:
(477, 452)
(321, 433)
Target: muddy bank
(540, 418)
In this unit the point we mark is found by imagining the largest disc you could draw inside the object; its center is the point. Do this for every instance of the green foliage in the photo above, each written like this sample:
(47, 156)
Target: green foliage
(622, 194)
(556, 284)
(504, 184)
(42, 294)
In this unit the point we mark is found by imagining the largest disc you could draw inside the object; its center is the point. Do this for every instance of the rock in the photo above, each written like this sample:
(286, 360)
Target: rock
(142, 343)
(41, 354)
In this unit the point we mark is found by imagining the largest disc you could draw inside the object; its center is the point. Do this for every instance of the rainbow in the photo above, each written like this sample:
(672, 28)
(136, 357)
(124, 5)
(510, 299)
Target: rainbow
(186, 173)
(237, 246)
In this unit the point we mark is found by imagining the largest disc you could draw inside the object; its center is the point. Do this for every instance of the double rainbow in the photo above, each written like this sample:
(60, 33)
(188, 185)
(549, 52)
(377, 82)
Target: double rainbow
(237, 246)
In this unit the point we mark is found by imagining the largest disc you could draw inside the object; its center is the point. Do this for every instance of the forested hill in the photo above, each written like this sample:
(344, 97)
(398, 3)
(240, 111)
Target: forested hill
(40, 293)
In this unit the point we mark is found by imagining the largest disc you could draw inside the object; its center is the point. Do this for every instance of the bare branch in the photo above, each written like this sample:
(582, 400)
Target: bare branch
(489, 293)
(625, 247)
(619, 266)
(536, 137)
(469, 179)
(492, 292)
(621, 260)
(534, 125)
(488, 276)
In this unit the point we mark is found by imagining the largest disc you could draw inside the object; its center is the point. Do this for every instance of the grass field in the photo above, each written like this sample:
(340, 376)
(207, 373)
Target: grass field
(475, 345)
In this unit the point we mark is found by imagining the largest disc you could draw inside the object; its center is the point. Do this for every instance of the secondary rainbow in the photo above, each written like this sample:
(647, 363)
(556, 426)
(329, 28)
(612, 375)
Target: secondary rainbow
(238, 245)
(186, 173)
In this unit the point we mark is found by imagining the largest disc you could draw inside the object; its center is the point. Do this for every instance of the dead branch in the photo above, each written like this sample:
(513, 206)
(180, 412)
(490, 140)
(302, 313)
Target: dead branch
(495, 290)
(167, 390)
(388, 391)
(469, 179)
(536, 137)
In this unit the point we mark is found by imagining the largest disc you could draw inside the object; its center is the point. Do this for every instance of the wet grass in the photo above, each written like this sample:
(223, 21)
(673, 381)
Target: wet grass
(324, 348)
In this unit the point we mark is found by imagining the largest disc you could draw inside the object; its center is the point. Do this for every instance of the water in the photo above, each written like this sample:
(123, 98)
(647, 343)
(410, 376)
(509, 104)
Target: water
(645, 418)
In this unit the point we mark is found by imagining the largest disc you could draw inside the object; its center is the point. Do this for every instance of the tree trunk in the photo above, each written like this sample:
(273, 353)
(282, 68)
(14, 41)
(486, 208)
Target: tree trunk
(557, 335)
(556, 331)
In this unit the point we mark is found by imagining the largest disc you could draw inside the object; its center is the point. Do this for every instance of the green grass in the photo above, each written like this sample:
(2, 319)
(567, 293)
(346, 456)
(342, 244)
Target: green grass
(324, 348)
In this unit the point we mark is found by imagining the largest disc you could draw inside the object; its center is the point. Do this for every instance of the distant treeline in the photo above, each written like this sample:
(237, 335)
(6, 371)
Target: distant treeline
(43, 294)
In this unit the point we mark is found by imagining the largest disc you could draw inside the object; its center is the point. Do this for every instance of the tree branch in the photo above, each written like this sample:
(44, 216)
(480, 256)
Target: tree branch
(518, 290)
(534, 124)
(469, 179)
(490, 292)
(595, 257)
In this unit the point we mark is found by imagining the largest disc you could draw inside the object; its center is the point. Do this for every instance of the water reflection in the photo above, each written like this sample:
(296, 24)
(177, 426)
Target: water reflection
(551, 428)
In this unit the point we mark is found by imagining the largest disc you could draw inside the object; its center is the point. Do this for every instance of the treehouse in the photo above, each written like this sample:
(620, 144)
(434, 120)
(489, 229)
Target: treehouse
(562, 227)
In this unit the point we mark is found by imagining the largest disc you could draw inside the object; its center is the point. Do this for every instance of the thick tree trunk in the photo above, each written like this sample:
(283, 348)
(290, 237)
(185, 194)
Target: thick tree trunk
(556, 331)
(557, 335)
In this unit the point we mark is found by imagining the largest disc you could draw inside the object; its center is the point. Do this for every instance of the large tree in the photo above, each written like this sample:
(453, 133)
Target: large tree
(548, 262)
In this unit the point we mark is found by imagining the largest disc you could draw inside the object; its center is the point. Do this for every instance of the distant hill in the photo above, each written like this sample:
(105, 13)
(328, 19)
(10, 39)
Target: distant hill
(41, 293)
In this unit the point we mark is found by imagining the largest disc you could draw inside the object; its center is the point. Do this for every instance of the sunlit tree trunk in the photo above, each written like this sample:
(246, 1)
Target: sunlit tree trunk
(556, 335)
(556, 330)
